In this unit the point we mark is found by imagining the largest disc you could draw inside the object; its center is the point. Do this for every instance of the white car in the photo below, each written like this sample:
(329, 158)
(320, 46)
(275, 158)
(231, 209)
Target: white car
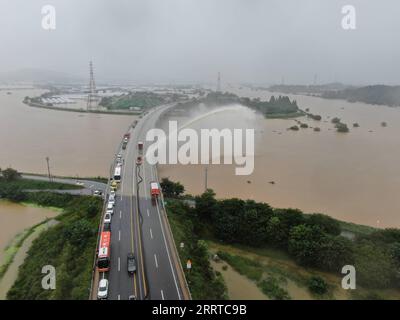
(110, 205)
(107, 217)
(112, 193)
(110, 212)
(111, 199)
(102, 292)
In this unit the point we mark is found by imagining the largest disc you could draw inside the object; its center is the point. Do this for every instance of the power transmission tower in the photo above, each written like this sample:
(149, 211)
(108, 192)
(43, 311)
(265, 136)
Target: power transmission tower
(219, 82)
(92, 96)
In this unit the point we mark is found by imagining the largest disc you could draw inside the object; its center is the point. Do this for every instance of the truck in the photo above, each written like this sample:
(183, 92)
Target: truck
(154, 189)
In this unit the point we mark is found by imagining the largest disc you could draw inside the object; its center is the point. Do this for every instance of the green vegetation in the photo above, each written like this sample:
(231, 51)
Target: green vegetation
(134, 101)
(294, 128)
(280, 107)
(317, 285)
(312, 240)
(203, 282)
(68, 246)
(376, 94)
(246, 267)
(171, 189)
(271, 288)
(341, 127)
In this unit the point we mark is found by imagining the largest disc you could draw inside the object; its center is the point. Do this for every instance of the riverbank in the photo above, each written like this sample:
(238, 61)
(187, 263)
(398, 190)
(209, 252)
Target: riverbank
(111, 112)
(284, 253)
(16, 254)
(68, 246)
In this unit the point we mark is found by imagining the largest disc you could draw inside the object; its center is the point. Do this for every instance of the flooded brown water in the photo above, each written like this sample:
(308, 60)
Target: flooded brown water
(351, 176)
(239, 287)
(15, 218)
(77, 143)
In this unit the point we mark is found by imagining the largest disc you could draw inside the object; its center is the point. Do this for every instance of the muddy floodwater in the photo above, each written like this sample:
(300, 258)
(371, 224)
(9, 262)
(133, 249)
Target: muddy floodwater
(351, 176)
(15, 218)
(77, 143)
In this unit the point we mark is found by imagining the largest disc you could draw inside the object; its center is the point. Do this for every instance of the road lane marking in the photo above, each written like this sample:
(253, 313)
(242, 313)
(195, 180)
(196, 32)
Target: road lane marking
(119, 297)
(119, 235)
(151, 234)
(162, 294)
(155, 259)
(148, 213)
(119, 264)
(166, 247)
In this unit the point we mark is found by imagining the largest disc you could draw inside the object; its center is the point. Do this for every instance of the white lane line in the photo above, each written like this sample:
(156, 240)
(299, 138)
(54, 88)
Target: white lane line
(162, 294)
(151, 234)
(166, 247)
(119, 297)
(119, 264)
(119, 235)
(148, 213)
(120, 214)
(155, 259)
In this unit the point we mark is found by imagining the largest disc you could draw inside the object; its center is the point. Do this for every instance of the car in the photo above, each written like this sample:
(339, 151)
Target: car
(97, 193)
(114, 185)
(111, 199)
(139, 160)
(119, 156)
(107, 227)
(131, 263)
(110, 206)
(107, 218)
(132, 297)
(102, 292)
(110, 212)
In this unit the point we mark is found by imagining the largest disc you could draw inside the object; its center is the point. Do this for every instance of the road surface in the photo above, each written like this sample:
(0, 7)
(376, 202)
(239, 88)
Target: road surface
(139, 226)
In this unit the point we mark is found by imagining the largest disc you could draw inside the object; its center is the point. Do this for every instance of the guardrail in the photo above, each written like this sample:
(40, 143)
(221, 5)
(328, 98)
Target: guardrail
(172, 235)
(103, 212)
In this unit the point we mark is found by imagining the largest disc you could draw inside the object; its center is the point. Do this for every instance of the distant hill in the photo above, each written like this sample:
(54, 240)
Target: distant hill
(308, 89)
(39, 76)
(376, 94)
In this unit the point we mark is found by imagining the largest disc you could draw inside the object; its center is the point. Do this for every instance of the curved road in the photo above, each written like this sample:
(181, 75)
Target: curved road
(139, 225)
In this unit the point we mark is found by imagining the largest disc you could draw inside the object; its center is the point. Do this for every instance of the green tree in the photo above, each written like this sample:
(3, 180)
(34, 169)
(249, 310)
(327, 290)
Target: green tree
(326, 223)
(10, 174)
(206, 205)
(317, 285)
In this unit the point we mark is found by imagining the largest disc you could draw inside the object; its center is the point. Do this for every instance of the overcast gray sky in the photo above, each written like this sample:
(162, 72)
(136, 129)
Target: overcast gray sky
(255, 41)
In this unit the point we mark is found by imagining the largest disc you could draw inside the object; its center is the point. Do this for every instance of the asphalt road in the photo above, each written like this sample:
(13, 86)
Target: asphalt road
(139, 226)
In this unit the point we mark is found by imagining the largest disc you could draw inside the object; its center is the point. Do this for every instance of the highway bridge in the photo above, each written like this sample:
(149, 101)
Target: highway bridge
(140, 226)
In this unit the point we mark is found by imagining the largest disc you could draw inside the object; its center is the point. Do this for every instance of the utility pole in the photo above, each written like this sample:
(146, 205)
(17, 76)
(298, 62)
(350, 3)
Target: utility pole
(206, 179)
(48, 168)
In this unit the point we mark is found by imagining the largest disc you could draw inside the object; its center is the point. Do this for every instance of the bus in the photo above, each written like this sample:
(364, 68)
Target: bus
(117, 173)
(103, 258)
